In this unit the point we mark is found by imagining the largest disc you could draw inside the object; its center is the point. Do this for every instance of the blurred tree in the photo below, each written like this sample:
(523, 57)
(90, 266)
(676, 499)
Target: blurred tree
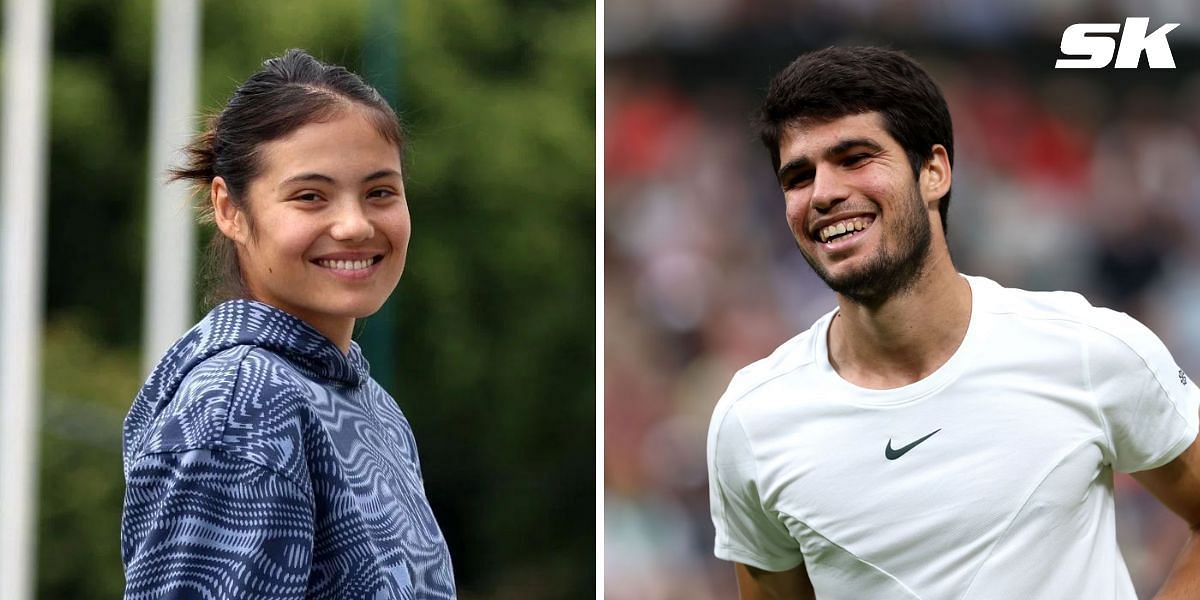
(81, 481)
(495, 358)
(497, 346)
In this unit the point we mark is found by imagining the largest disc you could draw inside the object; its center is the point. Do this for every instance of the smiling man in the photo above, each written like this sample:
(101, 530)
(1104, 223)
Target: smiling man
(936, 435)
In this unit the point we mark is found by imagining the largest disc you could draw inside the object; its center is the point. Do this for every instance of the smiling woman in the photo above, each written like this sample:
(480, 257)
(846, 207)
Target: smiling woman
(325, 238)
(261, 459)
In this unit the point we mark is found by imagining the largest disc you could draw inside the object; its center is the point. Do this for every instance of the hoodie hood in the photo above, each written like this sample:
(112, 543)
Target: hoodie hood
(244, 323)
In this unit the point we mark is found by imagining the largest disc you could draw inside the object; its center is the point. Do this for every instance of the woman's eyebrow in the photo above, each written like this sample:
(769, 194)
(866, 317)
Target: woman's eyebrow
(321, 177)
(381, 174)
(307, 177)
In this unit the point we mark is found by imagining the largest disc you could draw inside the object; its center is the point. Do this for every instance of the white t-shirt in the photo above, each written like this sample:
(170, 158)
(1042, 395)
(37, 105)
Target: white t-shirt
(989, 479)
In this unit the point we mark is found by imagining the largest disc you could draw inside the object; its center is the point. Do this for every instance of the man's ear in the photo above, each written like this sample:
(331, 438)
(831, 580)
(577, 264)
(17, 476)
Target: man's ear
(229, 218)
(935, 176)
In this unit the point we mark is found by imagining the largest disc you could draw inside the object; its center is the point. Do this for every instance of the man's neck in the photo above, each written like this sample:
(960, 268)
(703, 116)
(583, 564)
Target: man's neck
(905, 338)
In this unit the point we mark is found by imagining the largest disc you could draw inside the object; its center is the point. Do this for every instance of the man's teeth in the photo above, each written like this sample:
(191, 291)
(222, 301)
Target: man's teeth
(345, 264)
(843, 227)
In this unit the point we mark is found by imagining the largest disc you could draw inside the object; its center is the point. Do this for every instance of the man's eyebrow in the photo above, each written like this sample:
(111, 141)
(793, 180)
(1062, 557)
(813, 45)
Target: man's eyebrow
(803, 162)
(796, 164)
(844, 145)
(309, 177)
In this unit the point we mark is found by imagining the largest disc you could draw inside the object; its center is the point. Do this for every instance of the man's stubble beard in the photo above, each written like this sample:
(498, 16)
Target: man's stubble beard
(888, 273)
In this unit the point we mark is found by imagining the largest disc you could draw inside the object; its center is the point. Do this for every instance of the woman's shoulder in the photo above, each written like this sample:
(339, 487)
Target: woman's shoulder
(245, 402)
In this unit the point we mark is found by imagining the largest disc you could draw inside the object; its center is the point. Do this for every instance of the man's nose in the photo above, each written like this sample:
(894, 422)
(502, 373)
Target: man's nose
(828, 188)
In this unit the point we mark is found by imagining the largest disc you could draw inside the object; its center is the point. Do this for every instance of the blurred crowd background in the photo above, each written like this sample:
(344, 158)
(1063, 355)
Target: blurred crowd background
(1073, 180)
(494, 334)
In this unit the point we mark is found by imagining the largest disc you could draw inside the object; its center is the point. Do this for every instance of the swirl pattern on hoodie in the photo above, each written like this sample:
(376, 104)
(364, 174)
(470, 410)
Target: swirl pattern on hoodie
(261, 462)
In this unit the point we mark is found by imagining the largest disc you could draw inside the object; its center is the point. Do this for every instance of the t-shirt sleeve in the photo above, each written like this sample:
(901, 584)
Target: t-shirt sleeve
(208, 524)
(745, 531)
(1149, 406)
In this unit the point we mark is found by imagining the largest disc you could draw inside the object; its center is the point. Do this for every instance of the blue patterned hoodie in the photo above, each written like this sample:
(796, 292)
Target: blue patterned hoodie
(261, 462)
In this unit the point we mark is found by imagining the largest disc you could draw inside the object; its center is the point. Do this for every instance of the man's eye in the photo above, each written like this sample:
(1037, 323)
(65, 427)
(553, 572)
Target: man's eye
(855, 159)
(797, 181)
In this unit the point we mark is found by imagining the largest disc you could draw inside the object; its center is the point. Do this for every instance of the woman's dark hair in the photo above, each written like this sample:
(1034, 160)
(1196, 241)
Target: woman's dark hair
(835, 82)
(289, 92)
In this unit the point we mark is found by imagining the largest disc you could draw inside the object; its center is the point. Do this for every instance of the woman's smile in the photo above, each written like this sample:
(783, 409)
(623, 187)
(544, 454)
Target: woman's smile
(326, 234)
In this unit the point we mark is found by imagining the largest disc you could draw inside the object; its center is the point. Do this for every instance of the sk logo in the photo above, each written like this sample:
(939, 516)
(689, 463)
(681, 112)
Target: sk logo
(1088, 39)
(1182, 377)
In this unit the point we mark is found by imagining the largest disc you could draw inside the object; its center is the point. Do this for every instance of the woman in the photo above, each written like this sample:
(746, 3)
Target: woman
(261, 460)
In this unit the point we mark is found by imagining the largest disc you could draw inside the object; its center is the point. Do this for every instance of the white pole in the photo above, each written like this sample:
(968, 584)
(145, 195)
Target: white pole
(169, 247)
(22, 236)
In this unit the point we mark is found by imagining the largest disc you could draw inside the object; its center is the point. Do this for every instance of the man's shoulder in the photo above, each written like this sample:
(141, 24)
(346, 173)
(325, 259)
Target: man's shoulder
(1063, 306)
(1032, 305)
(1069, 318)
(793, 358)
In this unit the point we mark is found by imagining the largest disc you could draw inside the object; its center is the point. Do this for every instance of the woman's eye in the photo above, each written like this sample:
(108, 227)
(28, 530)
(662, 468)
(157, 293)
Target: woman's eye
(381, 193)
(308, 197)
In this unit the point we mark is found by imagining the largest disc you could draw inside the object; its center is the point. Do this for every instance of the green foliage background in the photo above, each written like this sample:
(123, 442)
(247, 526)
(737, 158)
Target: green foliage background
(494, 319)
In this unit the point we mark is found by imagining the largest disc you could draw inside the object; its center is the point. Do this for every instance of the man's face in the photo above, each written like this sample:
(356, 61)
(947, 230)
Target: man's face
(854, 207)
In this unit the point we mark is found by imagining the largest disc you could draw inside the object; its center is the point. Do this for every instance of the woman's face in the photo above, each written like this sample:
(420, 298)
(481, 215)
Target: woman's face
(331, 223)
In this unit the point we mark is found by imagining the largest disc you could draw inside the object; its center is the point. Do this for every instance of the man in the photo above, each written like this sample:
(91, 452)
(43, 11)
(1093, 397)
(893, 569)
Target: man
(936, 436)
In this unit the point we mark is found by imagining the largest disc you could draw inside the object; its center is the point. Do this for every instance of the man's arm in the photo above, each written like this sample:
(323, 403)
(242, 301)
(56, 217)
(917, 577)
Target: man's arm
(1177, 485)
(757, 584)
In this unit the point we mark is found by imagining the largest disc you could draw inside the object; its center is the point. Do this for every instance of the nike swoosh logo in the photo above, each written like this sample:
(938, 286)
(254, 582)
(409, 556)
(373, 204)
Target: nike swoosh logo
(898, 452)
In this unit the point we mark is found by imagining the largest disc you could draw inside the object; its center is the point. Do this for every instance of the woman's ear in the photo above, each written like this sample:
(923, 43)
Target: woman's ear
(229, 218)
(936, 176)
